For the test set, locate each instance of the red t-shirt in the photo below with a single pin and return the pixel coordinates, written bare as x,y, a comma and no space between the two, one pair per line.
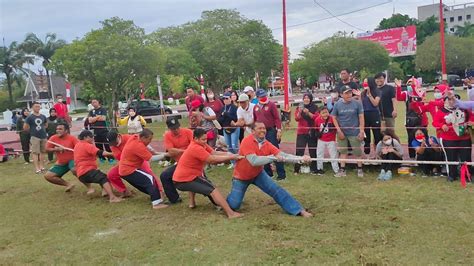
117,150
438,122
2,150
181,141
68,141
61,110
328,132
188,100
85,157
216,106
267,114
243,169
192,162
133,155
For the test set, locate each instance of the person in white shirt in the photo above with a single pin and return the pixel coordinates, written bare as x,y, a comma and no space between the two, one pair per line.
244,113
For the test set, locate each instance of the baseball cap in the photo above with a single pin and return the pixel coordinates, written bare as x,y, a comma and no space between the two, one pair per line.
248,88
261,93
172,122
196,103
227,94
243,97
346,89
112,138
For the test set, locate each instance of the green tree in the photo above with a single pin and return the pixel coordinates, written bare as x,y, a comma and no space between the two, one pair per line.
467,30
225,45
395,21
459,54
44,49
110,62
335,53
11,62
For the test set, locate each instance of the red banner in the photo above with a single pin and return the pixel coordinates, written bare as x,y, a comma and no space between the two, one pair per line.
397,41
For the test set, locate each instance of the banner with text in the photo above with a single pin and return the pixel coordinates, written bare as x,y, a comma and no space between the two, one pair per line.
397,41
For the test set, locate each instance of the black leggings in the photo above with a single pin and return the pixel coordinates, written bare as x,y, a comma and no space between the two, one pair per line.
390,166
372,121
303,141
462,154
166,178
25,146
430,155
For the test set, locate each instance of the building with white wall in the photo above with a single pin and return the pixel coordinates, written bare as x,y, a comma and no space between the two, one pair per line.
455,15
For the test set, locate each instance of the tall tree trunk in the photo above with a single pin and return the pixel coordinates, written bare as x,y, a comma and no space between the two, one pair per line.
10,90
113,108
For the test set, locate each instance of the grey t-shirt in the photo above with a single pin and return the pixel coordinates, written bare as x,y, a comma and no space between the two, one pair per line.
37,126
347,115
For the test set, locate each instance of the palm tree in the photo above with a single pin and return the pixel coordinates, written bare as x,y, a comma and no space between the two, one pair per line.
11,61
466,30
44,49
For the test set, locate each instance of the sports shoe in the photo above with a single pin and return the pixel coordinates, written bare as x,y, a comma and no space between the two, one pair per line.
320,172
341,173
381,175
388,175
231,166
360,173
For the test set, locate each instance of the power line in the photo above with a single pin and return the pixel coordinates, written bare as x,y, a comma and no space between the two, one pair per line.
342,14
334,16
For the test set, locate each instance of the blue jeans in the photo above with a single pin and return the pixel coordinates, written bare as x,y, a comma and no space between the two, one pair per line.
232,141
280,167
267,185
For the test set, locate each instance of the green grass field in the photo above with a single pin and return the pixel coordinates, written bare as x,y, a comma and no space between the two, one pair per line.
357,221
408,220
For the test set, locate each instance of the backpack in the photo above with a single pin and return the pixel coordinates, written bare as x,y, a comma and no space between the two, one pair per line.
413,119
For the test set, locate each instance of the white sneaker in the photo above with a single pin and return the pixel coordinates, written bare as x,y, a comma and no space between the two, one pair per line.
360,173
341,173
381,175
231,166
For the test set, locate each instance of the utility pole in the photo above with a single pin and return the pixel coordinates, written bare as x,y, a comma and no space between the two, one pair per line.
444,75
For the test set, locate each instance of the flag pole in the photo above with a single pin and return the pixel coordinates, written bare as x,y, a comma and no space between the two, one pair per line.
286,105
444,76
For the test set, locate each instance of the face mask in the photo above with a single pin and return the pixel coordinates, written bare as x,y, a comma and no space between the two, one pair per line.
409,89
263,99
438,95
132,113
388,142
210,96
365,85
334,95
419,138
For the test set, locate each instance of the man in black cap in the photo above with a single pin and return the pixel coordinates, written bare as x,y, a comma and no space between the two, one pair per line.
176,140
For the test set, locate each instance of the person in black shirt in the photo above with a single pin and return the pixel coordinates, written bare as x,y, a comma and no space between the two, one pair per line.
387,106
346,81
97,121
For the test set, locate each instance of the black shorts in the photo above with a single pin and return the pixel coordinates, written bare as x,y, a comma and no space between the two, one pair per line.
94,176
199,185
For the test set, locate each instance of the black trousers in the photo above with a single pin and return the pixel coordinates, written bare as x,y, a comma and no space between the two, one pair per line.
372,120
166,178
303,141
430,155
25,146
411,137
457,151
390,166
145,183
100,138
241,134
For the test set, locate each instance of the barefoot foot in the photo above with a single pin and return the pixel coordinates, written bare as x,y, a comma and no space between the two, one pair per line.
306,214
115,200
90,191
69,187
160,206
235,215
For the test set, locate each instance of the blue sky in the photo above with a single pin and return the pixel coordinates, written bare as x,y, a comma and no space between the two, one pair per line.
71,19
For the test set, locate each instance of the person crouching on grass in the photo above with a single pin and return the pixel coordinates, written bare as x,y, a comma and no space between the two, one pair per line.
134,154
388,149
85,160
189,174
250,171
59,144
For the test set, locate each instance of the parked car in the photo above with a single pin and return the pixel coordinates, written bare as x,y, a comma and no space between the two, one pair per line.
453,80
147,107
